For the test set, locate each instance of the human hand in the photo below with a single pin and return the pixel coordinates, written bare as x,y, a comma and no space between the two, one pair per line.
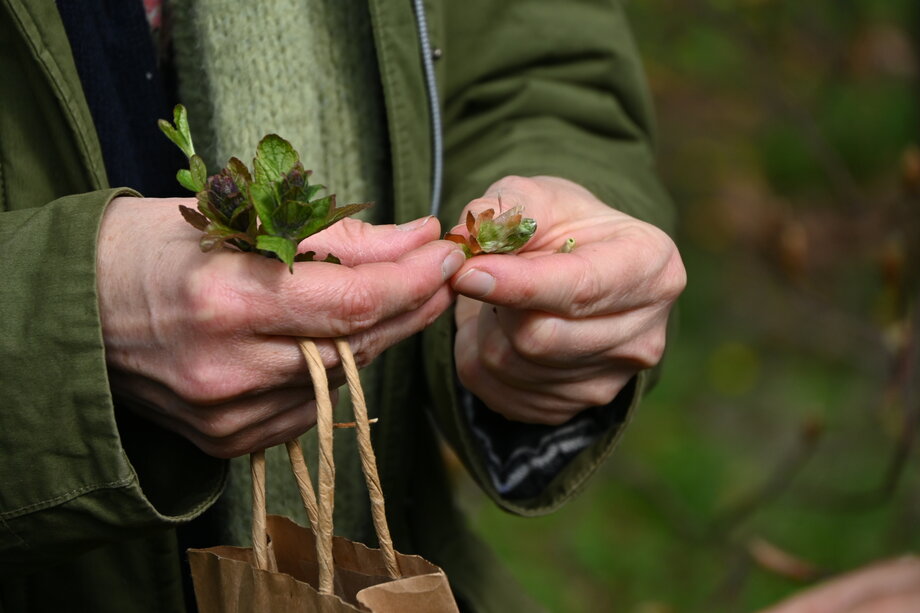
889,586
567,330
205,345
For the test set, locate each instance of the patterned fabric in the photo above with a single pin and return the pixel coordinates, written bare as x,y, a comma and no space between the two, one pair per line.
522,459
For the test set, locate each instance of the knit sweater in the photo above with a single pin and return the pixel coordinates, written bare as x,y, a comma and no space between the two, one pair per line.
317,85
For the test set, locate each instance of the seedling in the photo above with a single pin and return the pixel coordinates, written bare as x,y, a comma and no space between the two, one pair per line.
267,211
489,234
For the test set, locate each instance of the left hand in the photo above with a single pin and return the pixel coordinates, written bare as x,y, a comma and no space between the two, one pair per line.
567,330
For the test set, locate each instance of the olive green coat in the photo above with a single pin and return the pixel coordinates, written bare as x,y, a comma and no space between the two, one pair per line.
89,496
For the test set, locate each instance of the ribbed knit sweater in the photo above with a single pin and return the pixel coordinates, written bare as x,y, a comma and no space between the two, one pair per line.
316,83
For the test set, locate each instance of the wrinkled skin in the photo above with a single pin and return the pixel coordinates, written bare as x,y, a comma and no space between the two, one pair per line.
205,344
543,335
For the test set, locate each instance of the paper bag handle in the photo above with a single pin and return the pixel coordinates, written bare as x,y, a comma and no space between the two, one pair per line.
321,515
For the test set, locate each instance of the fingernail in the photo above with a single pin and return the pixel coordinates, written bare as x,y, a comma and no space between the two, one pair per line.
452,263
475,283
415,224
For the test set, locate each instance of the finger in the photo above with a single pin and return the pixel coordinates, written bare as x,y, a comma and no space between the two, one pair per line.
633,339
498,355
319,300
598,278
514,403
254,364
227,429
906,602
582,214
356,242
524,389
859,590
369,344
284,425
218,418
466,309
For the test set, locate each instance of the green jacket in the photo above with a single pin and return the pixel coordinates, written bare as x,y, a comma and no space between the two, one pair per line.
90,497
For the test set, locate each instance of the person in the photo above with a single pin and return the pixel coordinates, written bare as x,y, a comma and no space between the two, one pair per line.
133,365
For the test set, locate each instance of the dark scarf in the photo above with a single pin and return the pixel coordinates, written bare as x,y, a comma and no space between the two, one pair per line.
126,92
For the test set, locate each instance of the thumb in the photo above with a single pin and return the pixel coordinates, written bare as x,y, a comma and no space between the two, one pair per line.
357,242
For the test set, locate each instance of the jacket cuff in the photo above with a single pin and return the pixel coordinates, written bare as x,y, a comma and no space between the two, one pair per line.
542,491
73,474
522,459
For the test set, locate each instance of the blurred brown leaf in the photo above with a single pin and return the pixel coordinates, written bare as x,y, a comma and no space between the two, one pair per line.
772,558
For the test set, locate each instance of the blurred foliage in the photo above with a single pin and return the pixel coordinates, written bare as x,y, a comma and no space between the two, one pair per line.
780,446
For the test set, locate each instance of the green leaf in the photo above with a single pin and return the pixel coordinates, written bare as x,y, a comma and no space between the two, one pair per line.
275,157
311,191
269,210
239,172
507,232
264,200
284,248
184,177
179,133
199,172
316,217
180,119
347,211
242,209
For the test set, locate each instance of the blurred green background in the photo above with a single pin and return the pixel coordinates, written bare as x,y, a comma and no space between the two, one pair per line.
780,446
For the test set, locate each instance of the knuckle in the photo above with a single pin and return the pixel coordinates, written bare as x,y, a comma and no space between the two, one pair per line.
494,353
644,351
467,372
205,382
198,384
358,307
672,277
585,293
211,303
480,204
221,428
654,346
600,393
516,183
675,276
367,348
538,338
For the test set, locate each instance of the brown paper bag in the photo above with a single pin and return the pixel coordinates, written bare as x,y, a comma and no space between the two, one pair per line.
228,581
292,568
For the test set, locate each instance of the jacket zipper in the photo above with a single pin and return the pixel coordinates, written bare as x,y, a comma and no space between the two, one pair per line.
434,105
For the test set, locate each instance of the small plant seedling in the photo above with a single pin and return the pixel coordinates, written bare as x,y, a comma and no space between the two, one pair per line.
489,234
268,211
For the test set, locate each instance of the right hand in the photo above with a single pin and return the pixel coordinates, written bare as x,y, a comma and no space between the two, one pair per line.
205,344
888,586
